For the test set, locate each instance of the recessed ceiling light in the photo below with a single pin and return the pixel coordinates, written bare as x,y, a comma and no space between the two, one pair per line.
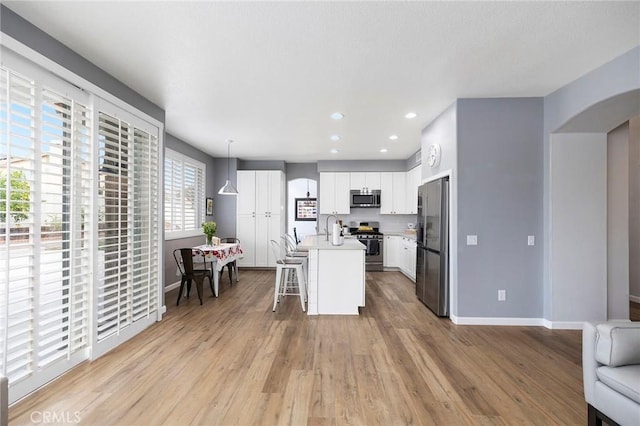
337,116
334,151
393,137
335,138
411,115
383,150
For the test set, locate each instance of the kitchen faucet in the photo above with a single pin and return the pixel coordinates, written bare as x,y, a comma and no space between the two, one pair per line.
326,225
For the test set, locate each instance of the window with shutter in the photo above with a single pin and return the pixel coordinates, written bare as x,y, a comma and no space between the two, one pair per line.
80,220
127,288
45,213
184,195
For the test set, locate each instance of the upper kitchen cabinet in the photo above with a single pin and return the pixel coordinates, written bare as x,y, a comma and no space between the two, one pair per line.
414,176
260,192
393,195
365,181
334,193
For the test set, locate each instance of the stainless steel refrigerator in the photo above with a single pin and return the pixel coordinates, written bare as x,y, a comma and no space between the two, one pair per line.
432,268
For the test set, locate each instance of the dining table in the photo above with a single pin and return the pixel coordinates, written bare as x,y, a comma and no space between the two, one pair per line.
218,256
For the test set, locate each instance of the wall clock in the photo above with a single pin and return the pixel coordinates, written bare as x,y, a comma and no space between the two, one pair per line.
433,155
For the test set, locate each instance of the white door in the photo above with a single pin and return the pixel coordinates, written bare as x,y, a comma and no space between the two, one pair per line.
262,241
246,233
246,192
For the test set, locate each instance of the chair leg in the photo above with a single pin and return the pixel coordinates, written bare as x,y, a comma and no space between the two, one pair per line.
276,291
199,285
180,292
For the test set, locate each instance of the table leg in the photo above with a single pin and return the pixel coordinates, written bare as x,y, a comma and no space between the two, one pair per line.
235,269
216,279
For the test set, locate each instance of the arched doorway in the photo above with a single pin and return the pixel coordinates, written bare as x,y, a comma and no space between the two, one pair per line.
302,209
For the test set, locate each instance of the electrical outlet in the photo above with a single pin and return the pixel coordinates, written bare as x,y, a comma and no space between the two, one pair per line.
472,240
531,240
502,295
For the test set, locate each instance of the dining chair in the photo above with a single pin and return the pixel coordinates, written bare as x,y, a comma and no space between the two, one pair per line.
189,273
283,286
231,266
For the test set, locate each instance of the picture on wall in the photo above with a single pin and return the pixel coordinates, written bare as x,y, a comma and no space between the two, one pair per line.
306,209
209,207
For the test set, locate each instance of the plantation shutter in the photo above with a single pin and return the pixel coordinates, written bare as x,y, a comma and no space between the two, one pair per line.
128,221
45,257
184,189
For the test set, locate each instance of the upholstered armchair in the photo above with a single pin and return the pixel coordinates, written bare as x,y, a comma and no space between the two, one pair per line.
611,372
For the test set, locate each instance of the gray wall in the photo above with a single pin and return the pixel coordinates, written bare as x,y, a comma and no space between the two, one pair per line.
362,166
616,84
261,165
28,34
634,208
224,206
414,160
499,200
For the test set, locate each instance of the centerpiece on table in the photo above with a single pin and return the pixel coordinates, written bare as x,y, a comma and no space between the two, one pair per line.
209,229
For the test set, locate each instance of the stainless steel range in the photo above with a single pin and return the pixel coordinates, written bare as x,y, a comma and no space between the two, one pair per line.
368,233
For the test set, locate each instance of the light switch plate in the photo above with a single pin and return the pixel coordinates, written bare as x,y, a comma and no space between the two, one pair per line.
531,240
472,240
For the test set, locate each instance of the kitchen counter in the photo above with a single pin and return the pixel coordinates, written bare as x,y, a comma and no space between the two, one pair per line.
319,242
336,276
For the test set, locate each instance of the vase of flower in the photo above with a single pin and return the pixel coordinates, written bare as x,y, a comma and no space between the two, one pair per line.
209,229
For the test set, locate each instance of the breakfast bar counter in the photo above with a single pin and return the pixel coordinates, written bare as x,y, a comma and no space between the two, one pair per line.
336,276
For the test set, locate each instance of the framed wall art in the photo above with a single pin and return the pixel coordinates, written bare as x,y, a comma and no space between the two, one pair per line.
306,209
209,206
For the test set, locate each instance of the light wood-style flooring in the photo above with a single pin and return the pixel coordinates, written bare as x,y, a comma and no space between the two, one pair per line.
234,362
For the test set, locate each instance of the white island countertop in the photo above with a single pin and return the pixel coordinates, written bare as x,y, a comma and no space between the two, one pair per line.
336,276
318,242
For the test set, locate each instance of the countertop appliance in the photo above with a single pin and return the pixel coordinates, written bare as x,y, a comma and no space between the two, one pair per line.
365,199
368,233
432,263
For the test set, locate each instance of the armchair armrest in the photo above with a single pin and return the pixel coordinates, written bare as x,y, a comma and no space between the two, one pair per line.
589,363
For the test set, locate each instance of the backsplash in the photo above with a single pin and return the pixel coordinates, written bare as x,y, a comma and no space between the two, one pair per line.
389,223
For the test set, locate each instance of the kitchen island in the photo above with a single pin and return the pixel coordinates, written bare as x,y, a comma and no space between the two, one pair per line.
336,276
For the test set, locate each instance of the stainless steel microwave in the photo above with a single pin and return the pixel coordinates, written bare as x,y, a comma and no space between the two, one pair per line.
365,199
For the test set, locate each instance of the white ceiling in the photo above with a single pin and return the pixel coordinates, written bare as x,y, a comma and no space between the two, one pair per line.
269,74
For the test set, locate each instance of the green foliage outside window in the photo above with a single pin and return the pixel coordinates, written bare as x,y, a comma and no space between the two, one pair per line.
20,196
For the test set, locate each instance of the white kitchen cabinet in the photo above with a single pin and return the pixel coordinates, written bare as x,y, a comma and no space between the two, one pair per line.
365,181
334,193
246,233
409,252
393,198
392,251
260,214
414,177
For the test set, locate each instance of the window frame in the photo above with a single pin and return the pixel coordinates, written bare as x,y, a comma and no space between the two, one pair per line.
201,190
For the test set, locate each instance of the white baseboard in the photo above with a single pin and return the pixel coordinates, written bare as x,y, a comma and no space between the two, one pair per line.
172,286
526,322
635,299
496,321
563,325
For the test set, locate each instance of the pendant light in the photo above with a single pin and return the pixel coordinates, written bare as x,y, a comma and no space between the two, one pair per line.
228,188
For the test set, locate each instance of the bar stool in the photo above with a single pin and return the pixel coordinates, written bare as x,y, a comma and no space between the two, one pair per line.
284,286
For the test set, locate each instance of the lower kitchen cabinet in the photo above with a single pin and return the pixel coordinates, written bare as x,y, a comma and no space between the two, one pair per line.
392,251
409,253
255,234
